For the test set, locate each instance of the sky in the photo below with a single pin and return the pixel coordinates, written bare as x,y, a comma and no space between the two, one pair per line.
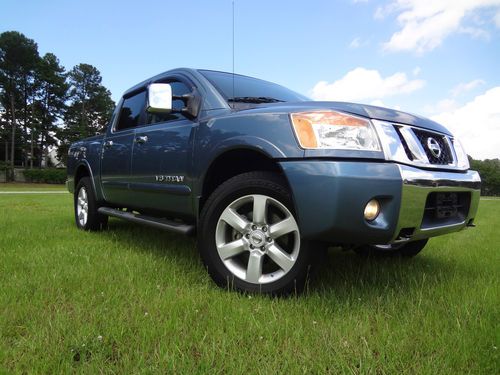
436,58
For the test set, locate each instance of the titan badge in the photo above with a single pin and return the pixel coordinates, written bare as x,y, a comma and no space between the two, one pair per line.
162,178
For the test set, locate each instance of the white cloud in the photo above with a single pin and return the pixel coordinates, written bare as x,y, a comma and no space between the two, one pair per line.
475,32
383,11
476,124
355,43
497,19
444,105
358,42
416,71
378,103
363,84
464,87
426,23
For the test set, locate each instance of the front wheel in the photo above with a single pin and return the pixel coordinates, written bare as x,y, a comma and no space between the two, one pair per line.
249,238
407,250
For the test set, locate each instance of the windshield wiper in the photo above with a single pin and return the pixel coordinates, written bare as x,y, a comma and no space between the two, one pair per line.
254,99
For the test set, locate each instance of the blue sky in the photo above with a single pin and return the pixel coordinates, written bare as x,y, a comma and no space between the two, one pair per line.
438,58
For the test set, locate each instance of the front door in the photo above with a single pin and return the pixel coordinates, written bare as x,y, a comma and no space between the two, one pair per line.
161,159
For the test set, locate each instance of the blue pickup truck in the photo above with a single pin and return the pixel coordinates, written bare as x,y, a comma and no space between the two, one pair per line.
267,179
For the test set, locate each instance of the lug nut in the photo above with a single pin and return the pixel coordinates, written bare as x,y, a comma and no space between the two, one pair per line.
254,227
264,228
251,246
269,239
247,235
263,248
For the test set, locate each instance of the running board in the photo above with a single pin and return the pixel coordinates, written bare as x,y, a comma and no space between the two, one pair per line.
148,220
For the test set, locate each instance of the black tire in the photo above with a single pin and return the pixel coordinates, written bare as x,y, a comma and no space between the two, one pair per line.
94,220
272,186
406,250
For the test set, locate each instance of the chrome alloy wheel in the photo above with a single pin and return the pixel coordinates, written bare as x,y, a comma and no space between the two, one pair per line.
257,239
82,206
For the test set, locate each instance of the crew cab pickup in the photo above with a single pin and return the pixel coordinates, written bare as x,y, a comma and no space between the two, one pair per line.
267,178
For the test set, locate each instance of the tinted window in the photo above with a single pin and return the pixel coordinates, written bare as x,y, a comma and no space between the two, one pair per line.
178,88
131,111
249,87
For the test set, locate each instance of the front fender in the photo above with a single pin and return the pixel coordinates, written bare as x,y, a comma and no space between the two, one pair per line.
267,133
248,142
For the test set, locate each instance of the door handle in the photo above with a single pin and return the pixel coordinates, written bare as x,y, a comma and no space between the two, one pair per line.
141,139
108,144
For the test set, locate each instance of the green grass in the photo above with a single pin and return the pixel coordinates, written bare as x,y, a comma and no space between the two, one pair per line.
16,186
137,300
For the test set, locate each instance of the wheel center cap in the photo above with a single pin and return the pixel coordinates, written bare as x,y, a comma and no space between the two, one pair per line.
257,238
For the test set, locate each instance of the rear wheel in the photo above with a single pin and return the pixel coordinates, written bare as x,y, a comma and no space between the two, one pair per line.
85,204
249,238
408,250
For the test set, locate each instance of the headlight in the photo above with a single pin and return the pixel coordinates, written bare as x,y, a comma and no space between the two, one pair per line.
462,159
334,130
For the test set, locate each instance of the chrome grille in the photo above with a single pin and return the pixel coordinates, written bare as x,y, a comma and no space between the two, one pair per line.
445,156
409,155
420,147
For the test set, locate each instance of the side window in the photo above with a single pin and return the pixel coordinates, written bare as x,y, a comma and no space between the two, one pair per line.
178,88
131,111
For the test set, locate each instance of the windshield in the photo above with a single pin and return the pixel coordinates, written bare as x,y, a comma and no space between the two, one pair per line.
250,90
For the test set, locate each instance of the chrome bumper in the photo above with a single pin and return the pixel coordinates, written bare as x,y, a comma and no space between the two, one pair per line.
417,185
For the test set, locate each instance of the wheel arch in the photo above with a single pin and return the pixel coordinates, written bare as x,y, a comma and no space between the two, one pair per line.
83,169
232,162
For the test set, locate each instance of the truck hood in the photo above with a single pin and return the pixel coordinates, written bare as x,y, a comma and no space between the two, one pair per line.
370,111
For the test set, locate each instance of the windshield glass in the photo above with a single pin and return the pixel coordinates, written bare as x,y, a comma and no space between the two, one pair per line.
250,90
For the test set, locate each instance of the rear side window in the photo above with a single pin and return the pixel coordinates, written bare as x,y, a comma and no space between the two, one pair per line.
131,113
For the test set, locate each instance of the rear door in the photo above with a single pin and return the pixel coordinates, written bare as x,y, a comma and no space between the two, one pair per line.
116,160
161,158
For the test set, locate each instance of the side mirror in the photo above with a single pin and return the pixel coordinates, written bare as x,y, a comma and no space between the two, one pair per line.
159,98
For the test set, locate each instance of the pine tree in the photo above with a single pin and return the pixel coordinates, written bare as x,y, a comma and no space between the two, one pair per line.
50,106
90,106
18,60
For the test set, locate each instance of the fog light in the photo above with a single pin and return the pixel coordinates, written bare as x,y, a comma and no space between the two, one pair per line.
372,210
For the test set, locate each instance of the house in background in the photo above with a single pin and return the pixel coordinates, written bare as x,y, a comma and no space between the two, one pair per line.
51,160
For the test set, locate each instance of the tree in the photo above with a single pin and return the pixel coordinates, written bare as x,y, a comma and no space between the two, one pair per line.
489,170
18,60
4,135
90,106
52,93
36,95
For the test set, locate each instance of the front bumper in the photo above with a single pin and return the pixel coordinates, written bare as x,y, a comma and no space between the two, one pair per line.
330,197
417,185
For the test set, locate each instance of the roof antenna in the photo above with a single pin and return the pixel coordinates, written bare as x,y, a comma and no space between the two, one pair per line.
233,49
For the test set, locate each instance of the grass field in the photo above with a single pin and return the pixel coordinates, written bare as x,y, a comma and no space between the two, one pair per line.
11,186
136,300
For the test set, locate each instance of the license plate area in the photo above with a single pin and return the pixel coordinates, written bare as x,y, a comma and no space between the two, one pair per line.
445,208
446,205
